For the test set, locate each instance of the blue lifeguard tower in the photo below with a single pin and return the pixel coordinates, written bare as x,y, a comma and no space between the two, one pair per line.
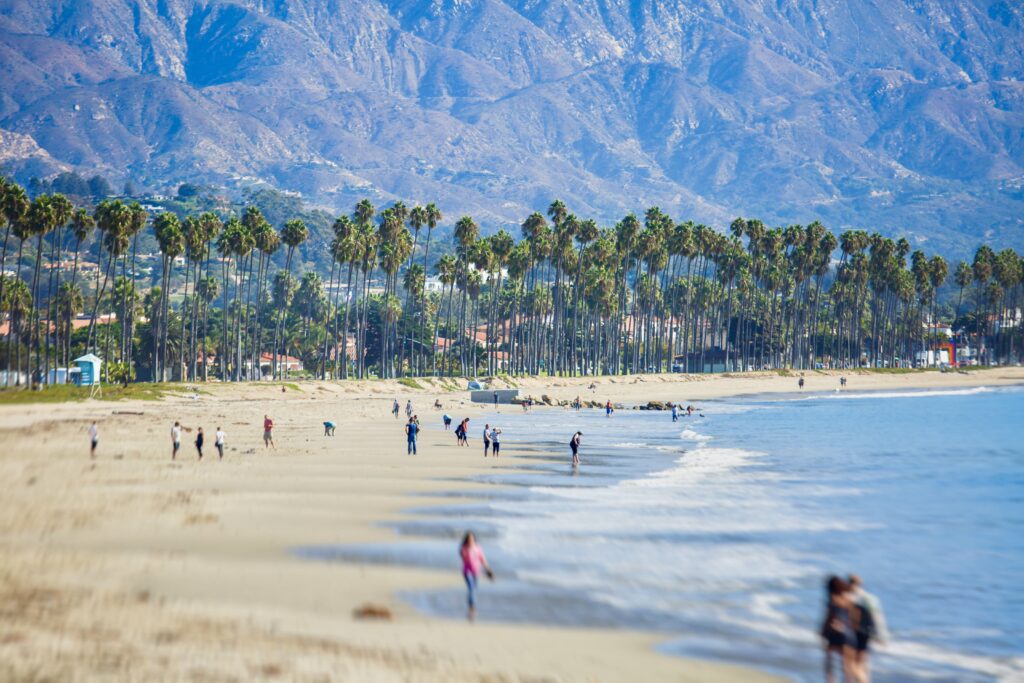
89,372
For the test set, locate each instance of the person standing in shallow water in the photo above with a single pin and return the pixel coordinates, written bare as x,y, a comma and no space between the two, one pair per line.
473,560
574,445
838,631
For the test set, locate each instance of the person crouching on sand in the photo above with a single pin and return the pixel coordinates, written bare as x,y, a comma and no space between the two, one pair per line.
472,560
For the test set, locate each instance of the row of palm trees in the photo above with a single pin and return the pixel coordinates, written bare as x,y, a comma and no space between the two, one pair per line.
570,297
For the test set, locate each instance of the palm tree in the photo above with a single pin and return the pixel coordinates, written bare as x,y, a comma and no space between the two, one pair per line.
466,232
171,239
13,206
293,234
447,269
70,303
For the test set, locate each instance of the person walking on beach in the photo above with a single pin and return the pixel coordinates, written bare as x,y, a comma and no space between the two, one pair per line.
462,432
218,441
473,560
487,439
574,445
495,443
328,428
801,383
842,382
495,399
870,626
268,432
395,408
837,630
94,439
199,443
408,409
411,429
175,439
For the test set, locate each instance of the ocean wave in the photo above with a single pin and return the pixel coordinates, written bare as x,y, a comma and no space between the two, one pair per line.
693,436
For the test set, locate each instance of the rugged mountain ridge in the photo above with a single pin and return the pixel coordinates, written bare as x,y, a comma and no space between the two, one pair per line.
903,116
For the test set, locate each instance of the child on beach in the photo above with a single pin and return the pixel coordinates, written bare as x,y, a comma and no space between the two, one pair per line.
199,443
472,560
218,441
268,432
94,439
175,439
608,410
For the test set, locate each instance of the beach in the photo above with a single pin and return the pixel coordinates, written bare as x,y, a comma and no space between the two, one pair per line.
134,567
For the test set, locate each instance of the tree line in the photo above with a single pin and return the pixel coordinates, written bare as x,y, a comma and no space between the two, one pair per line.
569,297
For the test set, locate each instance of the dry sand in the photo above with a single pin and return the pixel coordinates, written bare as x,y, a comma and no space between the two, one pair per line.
133,567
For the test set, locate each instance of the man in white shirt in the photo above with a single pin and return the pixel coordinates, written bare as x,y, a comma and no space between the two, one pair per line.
94,438
175,439
219,442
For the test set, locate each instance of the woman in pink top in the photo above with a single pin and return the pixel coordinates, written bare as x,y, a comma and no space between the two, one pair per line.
472,560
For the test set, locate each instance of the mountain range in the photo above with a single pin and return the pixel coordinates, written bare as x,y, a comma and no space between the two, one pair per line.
902,116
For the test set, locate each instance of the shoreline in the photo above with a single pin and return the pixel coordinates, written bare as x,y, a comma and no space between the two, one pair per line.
132,563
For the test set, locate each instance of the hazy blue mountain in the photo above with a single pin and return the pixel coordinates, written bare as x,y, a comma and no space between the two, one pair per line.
903,116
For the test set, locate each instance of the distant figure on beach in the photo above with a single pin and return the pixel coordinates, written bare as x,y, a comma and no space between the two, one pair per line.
593,386
268,432
870,626
473,560
579,404
175,439
328,428
487,439
408,409
495,443
411,429
447,422
395,408
574,445
218,441
801,382
94,439
675,412
837,630
495,399
462,432
437,404
200,440
842,382
608,410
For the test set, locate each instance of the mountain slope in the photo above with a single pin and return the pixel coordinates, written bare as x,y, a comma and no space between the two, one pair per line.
900,116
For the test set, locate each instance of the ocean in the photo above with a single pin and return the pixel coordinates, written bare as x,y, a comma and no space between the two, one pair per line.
720,529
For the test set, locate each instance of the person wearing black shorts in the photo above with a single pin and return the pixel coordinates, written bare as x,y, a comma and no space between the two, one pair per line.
487,439
199,443
574,444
